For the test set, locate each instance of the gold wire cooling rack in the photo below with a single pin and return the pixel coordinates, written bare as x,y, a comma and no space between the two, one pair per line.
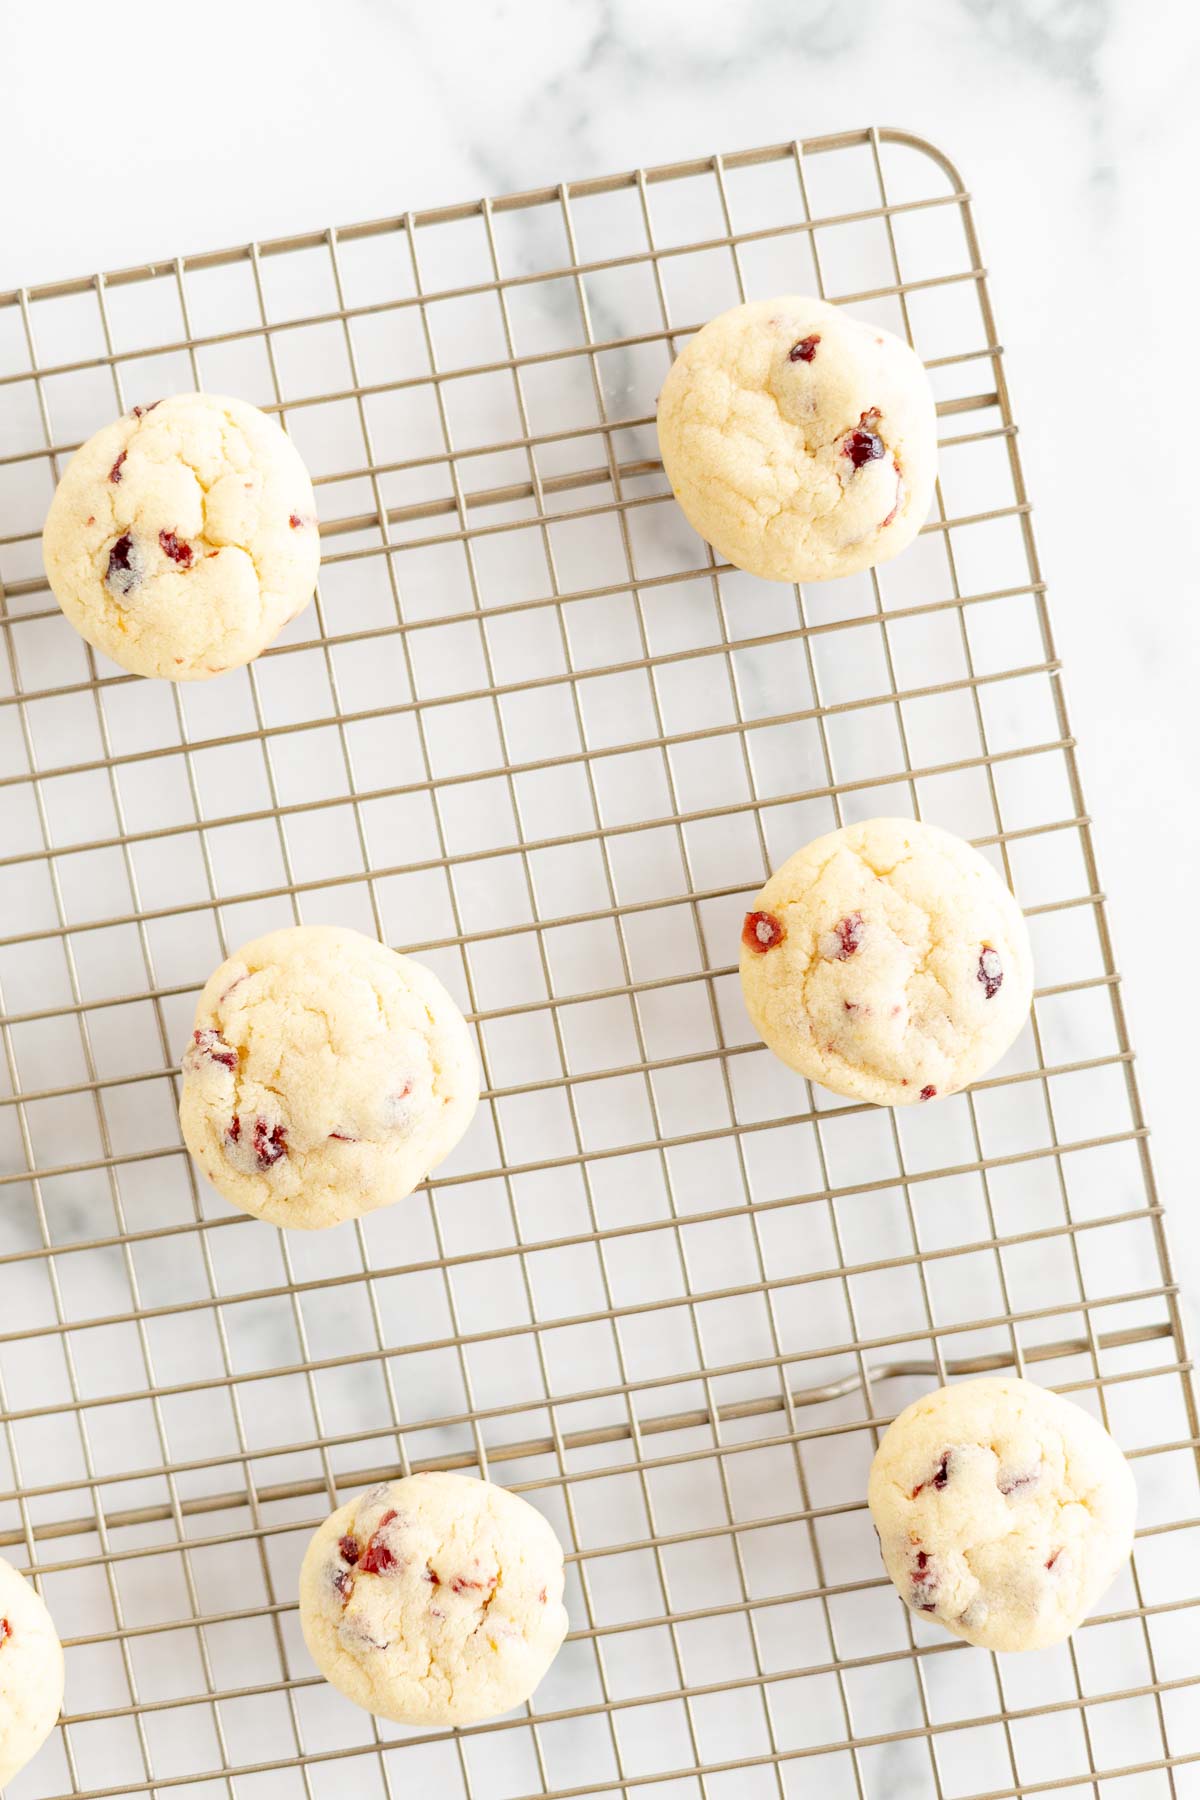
534,733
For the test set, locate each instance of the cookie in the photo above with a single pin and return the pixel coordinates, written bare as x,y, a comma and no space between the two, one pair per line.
801,442
182,538
436,1600
1003,1511
887,961
31,1672
325,1076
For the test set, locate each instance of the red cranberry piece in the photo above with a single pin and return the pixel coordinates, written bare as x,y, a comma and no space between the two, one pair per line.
863,445
806,349
463,1584
939,1478
431,1576
211,1046
1017,1481
270,1143
124,571
6,1631
139,410
924,1584
343,1582
542,1597
114,474
927,1093
295,521
176,549
990,972
349,1549
343,1138
1059,1556
761,932
378,1558
849,933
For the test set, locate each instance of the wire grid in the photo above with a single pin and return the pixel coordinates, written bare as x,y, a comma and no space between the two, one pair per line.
536,734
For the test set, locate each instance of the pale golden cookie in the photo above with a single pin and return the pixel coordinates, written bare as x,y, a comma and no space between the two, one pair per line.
887,961
1003,1511
801,442
183,537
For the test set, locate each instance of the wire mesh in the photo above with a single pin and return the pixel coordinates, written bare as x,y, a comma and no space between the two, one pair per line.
536,734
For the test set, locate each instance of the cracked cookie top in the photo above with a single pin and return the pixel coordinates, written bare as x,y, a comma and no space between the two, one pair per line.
887,961
182,538
1003,1511
325,1076
801,442
434,1600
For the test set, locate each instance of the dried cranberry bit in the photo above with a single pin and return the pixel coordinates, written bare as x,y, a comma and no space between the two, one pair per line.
139,410
939,1478
863,445
176,549
114,474
462,1584
6,1631
990,972
761,932
343,1138
924,1584
295,521
122,573
1057,1557
270,1143
211,1045
927,1093
849,931
349,1549
343,1581
378,1558
431,1576
1017,1481
806,349
542,1597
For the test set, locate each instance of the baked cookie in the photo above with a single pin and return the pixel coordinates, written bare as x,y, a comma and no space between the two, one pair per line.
183,537
436,1600
801,442
326,1076
31,1672
1003,1511
887,961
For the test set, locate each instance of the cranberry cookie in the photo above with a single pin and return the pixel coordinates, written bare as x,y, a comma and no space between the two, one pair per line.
436,1600
326,1076
1003,1511
887,961
183,537
801,442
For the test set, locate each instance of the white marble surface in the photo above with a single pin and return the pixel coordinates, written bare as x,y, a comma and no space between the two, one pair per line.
1072,121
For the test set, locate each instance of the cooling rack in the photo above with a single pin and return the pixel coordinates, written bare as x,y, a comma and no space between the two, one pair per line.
535,734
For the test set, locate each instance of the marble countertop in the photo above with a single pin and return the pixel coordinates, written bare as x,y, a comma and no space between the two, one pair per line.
1071,120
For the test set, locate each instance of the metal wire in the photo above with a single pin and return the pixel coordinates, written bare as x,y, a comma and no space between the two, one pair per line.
536,732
